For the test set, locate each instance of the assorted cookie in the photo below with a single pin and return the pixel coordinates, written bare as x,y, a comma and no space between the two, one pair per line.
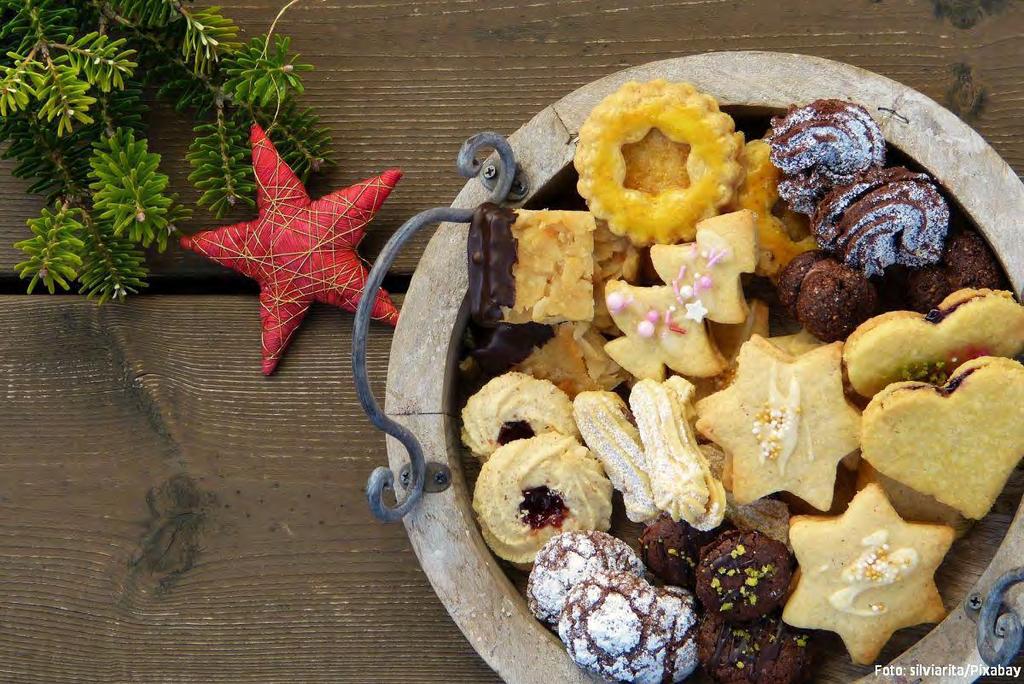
729,334
866,573
965,325
531,489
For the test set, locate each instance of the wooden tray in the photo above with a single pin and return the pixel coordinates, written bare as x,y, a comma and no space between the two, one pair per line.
474,587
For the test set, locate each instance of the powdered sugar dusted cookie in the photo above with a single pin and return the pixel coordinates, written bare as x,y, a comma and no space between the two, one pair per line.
569,558
620,627
967,324
514,406
821,145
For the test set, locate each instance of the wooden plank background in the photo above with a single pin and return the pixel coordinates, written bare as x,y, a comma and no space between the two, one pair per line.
169,515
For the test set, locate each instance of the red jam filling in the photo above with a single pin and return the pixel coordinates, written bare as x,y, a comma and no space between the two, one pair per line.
516,429
542,507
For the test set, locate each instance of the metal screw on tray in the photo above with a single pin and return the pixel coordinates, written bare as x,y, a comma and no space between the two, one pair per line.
1000,634
506,182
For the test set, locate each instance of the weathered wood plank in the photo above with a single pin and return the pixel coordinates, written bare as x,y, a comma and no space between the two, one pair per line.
403,83
169,515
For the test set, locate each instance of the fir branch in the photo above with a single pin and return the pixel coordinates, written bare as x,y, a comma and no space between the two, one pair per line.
259,77
219,156
53,251
112,266
102,61
298,137
128,189
62,95
209,35
148,13
57,166
16,89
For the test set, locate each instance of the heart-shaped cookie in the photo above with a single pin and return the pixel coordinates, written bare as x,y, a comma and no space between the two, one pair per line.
957,442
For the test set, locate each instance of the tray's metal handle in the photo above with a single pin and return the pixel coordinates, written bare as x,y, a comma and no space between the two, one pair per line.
500,178
1000,635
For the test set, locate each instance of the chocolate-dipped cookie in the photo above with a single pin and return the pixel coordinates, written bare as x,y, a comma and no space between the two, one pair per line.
765,651
743,575
828,299
671,549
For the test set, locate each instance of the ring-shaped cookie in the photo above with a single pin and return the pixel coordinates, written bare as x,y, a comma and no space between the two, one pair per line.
514,406
532,489
759,193
684,116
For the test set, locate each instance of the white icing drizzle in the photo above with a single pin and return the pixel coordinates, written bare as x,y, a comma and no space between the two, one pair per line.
777,425
877,566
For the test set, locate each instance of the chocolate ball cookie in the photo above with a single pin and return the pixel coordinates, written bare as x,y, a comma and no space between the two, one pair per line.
743,575
671,549
620,627
569,558
827,298
765,651
967,262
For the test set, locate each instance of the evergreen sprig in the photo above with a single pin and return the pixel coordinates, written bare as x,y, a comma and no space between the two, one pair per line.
72,117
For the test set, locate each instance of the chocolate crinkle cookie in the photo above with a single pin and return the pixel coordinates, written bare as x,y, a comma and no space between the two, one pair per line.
671,549
743,575
765,651
620,627
883,218
569,558
821,145
827,298
967,262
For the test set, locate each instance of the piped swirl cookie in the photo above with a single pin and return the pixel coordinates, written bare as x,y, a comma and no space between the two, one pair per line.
532,489
514,406
821,145
656,158
885,217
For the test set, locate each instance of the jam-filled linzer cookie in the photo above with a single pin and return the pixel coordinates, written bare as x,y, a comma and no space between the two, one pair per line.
656,158
531,489
514,406
966,324
665,325
957,441
530,265
866,573
785,421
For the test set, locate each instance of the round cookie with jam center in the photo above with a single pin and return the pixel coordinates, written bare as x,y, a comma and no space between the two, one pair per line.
743,575
765,651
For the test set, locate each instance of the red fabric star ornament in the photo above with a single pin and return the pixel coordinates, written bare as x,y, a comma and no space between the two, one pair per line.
299,250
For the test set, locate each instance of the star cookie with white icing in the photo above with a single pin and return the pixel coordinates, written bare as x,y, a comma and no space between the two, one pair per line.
866,573
784,421
665,325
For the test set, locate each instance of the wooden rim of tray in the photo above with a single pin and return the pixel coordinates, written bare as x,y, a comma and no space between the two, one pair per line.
469,581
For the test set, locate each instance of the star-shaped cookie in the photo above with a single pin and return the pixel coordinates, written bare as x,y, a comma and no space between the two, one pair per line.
665,325
866,573
784,421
